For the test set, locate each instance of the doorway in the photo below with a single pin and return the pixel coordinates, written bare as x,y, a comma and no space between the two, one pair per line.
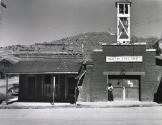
59,88
31,88
71,84
126,88
48,88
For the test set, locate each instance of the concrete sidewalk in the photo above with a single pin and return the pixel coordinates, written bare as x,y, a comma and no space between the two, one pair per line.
115,104
118,104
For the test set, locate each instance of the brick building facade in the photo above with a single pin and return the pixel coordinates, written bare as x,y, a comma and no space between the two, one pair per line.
131,69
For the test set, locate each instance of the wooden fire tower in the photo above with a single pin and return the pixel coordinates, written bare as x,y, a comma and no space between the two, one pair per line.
123,21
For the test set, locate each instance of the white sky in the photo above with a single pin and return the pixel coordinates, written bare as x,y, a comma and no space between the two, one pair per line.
31,21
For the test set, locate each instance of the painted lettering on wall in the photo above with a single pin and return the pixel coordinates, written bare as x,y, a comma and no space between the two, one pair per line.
124,58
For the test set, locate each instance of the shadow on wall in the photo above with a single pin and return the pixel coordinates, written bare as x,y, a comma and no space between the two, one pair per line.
158,94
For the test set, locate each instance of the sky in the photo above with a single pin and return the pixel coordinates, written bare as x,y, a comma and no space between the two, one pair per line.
31,21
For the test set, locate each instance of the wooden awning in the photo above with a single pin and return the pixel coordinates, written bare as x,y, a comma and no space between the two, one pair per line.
45,66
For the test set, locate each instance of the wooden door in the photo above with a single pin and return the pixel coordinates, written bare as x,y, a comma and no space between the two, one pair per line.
70,89
48,88
31,85
125,88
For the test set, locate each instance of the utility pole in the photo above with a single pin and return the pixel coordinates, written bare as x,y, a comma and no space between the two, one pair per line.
4,72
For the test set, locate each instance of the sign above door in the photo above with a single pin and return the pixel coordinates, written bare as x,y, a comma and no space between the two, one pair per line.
124,59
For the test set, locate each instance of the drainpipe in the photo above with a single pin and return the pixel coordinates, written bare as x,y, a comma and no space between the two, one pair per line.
6,77
76,93
53,92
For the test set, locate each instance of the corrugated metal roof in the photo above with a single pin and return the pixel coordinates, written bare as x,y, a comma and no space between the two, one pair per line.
45,66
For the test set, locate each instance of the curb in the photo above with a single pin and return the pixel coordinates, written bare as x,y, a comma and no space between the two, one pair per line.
74,106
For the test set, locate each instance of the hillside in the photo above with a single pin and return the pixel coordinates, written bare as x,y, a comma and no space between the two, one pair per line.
84,42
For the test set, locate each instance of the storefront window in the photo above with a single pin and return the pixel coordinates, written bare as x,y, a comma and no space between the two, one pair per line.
48,79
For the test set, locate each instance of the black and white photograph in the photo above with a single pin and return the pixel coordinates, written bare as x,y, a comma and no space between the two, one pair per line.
80,62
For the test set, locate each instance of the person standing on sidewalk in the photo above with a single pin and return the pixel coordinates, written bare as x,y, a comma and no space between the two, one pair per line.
110,92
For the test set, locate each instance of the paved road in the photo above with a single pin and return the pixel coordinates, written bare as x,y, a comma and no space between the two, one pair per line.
82,116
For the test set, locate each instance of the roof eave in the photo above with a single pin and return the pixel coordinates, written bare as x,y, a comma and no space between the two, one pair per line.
41,73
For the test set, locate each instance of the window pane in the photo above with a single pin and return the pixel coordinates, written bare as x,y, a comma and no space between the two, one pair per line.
121,8
126,8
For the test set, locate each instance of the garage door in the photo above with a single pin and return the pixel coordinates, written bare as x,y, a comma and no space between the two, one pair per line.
125,88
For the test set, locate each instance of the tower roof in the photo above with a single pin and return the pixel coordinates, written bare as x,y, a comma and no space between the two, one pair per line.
122,1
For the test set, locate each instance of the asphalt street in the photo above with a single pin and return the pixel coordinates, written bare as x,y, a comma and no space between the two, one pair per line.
83,116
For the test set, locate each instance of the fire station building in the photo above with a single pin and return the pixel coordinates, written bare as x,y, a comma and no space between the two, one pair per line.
129,67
